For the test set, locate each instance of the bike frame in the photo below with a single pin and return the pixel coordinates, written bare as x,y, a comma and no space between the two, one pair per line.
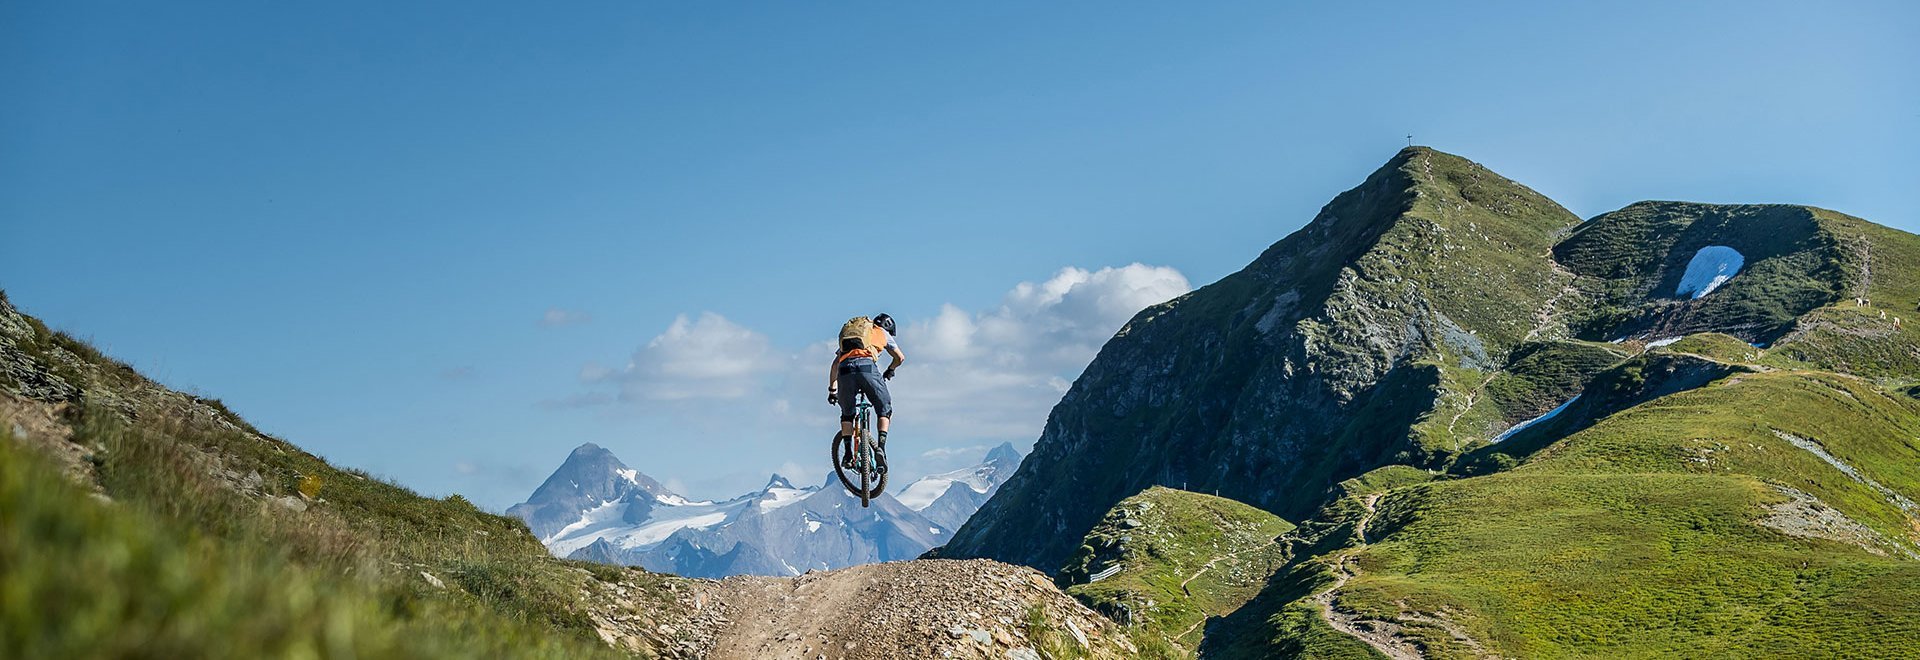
862,419
867,461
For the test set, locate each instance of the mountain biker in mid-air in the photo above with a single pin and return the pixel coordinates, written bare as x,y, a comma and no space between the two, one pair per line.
856,370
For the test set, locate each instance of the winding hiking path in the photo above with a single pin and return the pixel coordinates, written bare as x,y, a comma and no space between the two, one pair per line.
1216,560
1383,636
1543,317
1209,566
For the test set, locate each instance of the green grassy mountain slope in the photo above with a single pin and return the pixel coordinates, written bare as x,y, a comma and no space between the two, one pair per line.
142,521
1167,559
1633,259
1876,339
1710,523
1324,358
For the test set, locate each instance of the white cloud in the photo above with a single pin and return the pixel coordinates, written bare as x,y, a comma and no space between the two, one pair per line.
972,377
556,317
705,358
995,374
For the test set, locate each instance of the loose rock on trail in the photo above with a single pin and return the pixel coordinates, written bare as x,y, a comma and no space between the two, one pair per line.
928,608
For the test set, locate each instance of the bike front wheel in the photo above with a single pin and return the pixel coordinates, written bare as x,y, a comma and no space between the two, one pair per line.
843,446
867,479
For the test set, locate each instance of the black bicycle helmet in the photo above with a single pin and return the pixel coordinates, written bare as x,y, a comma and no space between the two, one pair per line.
884,321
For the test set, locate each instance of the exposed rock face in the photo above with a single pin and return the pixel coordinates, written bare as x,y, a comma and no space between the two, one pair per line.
1309,366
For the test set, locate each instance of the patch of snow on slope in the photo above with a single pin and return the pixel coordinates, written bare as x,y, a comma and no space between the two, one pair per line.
607,522
1711,267
813,525
1664,342
658,530
1813,447
781,497
1549,415
921,494
599,518
671,499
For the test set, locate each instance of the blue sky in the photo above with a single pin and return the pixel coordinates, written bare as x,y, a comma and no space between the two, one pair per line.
446,243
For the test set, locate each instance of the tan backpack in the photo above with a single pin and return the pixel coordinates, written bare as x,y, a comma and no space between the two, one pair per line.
857,334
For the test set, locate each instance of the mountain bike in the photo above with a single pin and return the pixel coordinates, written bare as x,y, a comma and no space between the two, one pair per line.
869,463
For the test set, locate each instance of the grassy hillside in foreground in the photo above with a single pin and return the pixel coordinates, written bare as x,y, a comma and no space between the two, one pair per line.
1182,558
85,578
1716,522
143,521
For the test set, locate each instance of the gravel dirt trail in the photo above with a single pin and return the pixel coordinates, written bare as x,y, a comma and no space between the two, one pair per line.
931,608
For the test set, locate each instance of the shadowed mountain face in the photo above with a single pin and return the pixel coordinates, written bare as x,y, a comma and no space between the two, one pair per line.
1317,362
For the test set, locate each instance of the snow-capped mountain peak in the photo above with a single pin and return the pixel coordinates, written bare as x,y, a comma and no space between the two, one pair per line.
949,498
620,516
590,477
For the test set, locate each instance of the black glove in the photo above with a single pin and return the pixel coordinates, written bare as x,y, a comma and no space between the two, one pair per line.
833,398
888,374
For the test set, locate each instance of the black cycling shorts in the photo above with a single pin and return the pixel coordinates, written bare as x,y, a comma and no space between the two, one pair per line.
862,376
